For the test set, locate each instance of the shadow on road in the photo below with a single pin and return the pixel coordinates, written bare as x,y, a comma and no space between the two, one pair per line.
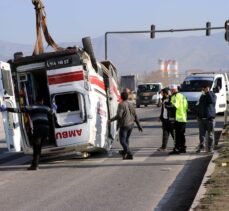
182,192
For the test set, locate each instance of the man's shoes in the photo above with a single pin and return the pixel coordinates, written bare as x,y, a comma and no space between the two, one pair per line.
198,151
182,150
161,149
199,148
128,157
174,152
33,168
121,152
210,150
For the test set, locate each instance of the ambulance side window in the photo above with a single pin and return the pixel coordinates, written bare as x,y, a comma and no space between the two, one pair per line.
7,86
70,108
67,102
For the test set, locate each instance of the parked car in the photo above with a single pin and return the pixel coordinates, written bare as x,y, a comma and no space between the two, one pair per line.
148,94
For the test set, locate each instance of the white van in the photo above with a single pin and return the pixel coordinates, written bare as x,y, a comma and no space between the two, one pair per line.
192,85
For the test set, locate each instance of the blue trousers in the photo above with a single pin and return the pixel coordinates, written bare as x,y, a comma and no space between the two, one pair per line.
124,135
206,132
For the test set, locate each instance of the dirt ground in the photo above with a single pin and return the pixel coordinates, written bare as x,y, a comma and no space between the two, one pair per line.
217,194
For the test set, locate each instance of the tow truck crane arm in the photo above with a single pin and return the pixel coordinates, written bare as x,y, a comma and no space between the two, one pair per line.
42,24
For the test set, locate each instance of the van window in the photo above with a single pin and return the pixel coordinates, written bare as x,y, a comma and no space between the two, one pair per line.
7,85
195,85
70,108
148,88
218,83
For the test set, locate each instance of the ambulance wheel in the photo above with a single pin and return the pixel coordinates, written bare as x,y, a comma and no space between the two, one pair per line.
85,154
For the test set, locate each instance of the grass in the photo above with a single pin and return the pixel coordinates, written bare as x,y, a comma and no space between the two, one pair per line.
217,194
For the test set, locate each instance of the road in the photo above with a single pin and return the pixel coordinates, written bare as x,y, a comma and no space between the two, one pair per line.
152,181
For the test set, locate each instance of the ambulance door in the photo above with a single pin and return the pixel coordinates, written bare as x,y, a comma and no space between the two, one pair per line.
10,120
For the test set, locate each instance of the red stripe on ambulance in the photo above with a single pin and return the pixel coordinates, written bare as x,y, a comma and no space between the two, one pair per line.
95,80
115,90
65,77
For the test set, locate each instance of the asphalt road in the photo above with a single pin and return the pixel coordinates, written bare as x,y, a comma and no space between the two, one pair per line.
152,181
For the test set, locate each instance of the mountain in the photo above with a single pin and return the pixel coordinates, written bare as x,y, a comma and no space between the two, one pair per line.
7,49
140,54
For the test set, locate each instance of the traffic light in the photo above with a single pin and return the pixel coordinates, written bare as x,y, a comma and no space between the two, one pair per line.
227,30
208,28
152,33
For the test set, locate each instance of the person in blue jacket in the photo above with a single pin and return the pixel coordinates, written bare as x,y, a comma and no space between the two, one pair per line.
206,119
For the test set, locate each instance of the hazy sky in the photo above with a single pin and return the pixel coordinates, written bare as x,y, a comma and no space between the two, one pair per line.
70,20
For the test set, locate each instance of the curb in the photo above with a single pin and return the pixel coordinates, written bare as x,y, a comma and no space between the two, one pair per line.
202,189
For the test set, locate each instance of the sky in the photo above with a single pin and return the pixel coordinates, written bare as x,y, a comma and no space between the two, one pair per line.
70,20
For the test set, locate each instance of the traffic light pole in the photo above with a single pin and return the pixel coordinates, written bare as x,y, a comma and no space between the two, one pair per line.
155,31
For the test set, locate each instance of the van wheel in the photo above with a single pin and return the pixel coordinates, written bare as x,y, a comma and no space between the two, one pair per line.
138,106
146,105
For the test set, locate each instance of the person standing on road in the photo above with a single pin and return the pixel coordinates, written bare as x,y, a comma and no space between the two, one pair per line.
178,106
164,118
40,116
126,116
206,119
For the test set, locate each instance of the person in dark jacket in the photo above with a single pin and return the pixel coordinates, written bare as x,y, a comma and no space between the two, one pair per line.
206,119
126,117
167,127
40,116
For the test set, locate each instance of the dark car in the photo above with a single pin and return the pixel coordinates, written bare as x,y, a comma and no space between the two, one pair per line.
148,94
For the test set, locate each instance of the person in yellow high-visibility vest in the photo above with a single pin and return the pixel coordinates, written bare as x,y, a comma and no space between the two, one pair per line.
179,105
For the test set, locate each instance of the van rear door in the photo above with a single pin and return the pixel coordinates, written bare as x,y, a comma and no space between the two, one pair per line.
10,120
219,87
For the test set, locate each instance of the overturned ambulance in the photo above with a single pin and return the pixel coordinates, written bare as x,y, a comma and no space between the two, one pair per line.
85,93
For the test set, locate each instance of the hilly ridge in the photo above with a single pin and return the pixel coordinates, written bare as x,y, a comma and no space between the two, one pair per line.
138,54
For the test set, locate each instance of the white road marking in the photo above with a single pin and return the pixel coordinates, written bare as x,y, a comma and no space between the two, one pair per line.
181,157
